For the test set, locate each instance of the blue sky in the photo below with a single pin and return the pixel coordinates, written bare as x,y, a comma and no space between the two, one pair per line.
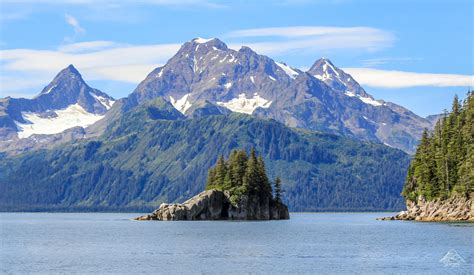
415,53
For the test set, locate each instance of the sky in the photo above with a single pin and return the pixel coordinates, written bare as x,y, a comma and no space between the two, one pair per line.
418,54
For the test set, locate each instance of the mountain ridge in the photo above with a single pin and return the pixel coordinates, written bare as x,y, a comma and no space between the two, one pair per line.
324,98
155,154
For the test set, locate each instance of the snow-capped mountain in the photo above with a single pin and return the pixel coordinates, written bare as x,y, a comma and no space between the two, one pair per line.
206,77
324,98
64,103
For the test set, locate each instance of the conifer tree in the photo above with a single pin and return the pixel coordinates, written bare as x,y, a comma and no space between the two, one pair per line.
278,190
251,177
221,172
264,186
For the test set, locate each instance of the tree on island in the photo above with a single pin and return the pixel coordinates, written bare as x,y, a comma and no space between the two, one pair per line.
242,174
278,190
444,161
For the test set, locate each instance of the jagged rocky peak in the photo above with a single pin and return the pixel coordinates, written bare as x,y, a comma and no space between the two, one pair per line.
66,102
213,43
67,88
200,46
67,76
324,70
206,69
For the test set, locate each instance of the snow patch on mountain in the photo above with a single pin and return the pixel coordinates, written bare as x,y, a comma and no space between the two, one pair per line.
201,40
245,105
181,104
228,85
328,72
50,89
107,103
72,116
288,70
366,100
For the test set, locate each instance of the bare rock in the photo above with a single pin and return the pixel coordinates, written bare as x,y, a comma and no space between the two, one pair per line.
215,205
456,208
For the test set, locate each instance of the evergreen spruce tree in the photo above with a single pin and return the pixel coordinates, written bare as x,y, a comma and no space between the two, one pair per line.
251,176
264,186
278,190
221,172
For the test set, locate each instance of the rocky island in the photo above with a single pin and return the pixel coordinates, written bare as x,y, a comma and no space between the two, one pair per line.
440,179
237,189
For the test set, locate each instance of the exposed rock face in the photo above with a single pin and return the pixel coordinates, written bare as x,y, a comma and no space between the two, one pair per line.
215,205
324,98
452,209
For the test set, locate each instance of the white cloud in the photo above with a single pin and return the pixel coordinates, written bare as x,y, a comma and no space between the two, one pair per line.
372,62
316,38
24,69
72,21
86,46
400,79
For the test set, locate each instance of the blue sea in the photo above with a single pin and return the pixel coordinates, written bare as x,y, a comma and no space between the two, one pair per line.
308,243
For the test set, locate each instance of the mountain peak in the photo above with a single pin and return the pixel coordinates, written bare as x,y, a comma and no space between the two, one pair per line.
69,72
210,43
201,40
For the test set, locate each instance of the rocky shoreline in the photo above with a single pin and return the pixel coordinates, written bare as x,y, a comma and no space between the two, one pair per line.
216,205
449,210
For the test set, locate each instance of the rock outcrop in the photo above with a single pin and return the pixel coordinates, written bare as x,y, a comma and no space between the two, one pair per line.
452,209
216,205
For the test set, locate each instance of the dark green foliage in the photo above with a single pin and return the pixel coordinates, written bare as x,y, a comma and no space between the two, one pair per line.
240,175
278,191
444,161
142,161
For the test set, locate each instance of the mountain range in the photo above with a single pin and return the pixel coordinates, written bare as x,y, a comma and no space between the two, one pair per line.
75,147
324,98
153,154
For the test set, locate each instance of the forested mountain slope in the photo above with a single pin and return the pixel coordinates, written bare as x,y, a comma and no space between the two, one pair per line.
153,154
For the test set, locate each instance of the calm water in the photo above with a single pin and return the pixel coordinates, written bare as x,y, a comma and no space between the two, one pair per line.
308,243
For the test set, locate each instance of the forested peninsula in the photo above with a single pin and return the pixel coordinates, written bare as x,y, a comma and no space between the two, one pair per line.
440,179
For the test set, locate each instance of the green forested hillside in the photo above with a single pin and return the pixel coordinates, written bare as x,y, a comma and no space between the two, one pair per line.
444,162
152,155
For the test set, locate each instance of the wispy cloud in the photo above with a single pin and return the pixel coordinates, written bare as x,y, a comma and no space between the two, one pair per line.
400,79
283,39
373,62
86,46
74,23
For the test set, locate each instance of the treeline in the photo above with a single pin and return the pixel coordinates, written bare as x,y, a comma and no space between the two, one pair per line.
143,162
444,161
243,175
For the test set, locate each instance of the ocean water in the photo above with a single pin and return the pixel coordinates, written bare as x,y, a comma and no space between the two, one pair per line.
310,243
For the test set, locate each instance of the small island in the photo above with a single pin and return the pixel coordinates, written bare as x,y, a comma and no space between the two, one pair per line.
440,179
237,189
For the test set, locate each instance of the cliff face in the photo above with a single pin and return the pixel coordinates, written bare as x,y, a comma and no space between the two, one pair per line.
452,209
215,205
